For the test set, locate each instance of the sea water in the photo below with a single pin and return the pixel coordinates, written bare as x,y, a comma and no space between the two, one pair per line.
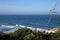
8,22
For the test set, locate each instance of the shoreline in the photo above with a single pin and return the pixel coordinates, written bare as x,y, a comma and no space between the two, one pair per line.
53,30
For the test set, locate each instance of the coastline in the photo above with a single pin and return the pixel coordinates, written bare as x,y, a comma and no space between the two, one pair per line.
16,27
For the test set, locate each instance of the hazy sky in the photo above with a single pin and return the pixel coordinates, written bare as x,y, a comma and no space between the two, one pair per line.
27,6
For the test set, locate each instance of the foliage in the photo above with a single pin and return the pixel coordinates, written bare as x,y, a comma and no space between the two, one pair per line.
27,34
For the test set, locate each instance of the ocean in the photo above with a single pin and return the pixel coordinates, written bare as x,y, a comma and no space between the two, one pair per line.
8,22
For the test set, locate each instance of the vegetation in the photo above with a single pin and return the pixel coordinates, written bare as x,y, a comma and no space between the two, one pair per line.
27,34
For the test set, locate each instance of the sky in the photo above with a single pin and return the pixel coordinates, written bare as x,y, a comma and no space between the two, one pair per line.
27,6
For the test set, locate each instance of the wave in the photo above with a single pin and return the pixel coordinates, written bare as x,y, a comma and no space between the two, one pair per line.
12,28
7,26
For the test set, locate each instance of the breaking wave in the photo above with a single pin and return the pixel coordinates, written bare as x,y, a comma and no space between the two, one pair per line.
12,28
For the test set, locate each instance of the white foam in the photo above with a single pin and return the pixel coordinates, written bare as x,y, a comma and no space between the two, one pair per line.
2,25
17,25
10,26
50,31
41,30
38,29
10,31
22,26
30,28
7,26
